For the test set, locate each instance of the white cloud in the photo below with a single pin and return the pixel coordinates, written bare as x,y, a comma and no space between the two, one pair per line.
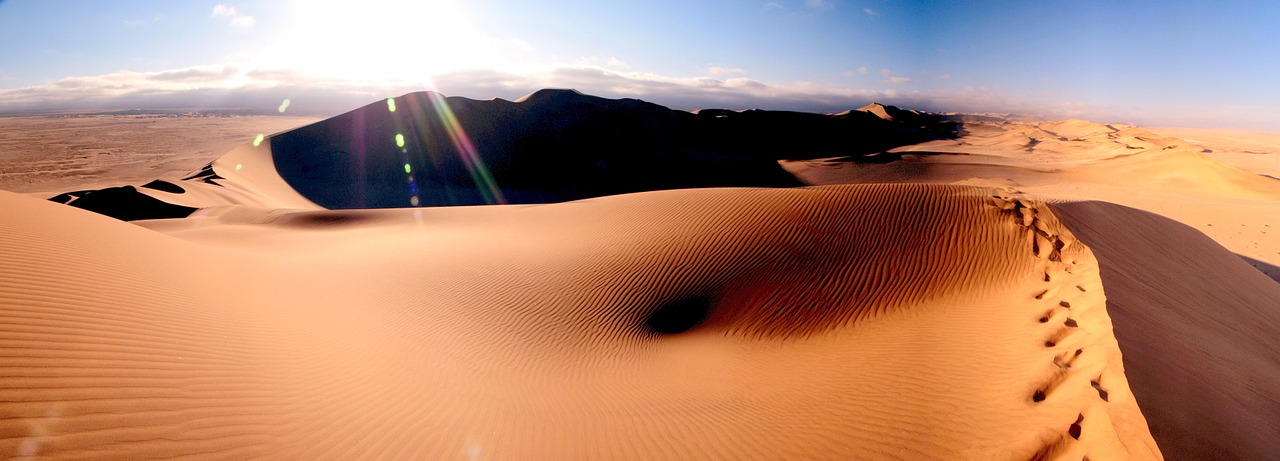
853,73
820,4
944,77
234,19
220,10
610,62
889,77
196,74
773,6
723,71
870,12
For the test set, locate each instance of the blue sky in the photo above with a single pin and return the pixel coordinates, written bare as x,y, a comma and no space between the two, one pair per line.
1175,63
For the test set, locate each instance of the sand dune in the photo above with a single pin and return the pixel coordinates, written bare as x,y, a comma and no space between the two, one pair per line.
1194,320
1220,191
877,109
1191,172
567,331
1064,143
557,145
1198,329
975,302
1250,150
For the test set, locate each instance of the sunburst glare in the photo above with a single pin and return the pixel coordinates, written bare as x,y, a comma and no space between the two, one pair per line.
381,41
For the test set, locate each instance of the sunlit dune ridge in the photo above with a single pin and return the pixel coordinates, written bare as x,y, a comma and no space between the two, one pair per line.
876,321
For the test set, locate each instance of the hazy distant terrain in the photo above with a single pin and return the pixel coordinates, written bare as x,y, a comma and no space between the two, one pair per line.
49,154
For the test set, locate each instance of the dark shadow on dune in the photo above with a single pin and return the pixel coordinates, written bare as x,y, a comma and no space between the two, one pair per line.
559,145
322,219
1264,267
1197,330
679,316
206,174
123,203
165,186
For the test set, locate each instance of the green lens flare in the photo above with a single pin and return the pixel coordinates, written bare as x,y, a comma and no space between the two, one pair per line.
258,140
391,104
399,140
407,169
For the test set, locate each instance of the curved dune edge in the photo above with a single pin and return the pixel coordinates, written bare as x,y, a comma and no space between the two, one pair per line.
899,321
1198,326
244,176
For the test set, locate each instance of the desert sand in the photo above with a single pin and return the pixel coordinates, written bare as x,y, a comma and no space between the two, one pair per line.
1223,184
48,155
647,284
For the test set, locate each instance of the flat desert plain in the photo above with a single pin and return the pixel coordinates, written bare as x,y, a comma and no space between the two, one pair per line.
48,155
1002,290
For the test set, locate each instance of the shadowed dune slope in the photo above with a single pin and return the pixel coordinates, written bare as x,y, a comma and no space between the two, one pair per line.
1198,326
878,321
558,145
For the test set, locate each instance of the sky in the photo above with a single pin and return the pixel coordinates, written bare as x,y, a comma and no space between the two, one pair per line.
1178,62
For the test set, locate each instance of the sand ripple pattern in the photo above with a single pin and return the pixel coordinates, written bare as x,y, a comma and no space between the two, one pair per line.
851,322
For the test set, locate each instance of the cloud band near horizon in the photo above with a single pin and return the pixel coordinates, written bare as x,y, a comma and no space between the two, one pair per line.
255,89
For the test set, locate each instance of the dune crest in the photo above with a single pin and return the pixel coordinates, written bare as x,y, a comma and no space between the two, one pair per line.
1219,371
806,332
877,109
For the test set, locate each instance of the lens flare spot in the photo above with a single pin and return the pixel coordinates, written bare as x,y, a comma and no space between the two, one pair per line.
399,140
284,105
413,200
391,104
238,166
407,169
258,140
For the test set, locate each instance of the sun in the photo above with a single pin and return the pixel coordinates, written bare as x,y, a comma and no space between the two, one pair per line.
381,41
